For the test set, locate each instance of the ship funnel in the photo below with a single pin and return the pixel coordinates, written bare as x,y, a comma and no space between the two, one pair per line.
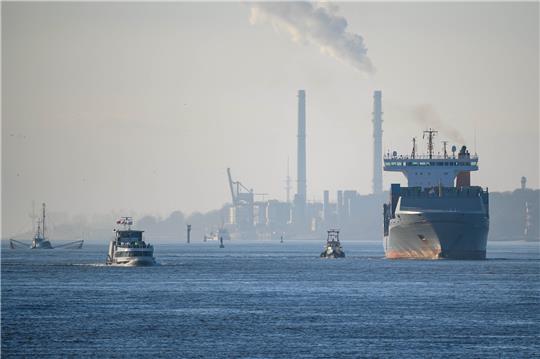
463,178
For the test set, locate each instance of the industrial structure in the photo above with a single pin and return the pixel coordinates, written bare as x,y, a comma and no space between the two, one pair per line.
248,218
377,142
299,216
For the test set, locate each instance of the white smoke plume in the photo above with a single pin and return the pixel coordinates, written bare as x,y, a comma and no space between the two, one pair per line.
317,24
426,116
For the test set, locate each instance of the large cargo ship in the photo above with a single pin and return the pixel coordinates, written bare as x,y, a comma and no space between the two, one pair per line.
439,214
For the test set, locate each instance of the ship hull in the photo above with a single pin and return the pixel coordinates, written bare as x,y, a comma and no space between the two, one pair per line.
134,262
43,244
437,234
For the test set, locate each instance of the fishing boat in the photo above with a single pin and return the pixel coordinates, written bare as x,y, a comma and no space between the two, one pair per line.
40,241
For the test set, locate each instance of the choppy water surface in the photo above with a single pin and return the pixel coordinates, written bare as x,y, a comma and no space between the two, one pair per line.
270,300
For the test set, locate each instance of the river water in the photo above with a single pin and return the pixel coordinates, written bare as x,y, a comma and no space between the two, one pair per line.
270,300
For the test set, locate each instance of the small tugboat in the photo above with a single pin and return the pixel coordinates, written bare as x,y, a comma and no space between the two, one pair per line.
128,246
333,249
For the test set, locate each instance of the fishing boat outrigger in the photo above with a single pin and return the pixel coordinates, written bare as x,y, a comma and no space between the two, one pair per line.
128,246
40,241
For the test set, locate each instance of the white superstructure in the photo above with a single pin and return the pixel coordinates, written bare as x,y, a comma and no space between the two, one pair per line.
432,170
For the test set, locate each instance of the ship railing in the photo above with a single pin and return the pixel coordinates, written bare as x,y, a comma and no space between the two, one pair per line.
133,245
427,157
417,192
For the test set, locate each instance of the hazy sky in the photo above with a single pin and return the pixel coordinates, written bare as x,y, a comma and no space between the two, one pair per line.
140,107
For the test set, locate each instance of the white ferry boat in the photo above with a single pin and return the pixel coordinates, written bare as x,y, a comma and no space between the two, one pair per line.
128,246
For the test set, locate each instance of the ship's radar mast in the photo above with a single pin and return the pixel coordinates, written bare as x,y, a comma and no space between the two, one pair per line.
431,133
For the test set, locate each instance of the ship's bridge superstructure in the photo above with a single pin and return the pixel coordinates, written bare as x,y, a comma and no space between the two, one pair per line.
432,170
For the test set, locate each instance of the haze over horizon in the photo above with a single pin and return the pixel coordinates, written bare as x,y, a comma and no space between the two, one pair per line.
141,107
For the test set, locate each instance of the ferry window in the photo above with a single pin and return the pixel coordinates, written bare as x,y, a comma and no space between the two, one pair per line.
473,163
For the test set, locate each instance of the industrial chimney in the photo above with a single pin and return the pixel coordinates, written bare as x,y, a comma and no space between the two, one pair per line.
377,142
300,197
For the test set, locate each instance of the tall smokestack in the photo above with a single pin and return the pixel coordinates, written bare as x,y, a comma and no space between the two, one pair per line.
377,142
300,197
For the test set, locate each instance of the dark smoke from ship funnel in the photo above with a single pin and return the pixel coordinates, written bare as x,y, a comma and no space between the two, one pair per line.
426,116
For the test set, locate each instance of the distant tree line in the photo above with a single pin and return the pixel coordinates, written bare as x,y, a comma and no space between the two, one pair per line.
507,221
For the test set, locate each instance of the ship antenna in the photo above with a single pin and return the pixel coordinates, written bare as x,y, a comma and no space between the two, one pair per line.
444,146
413,154
431,133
